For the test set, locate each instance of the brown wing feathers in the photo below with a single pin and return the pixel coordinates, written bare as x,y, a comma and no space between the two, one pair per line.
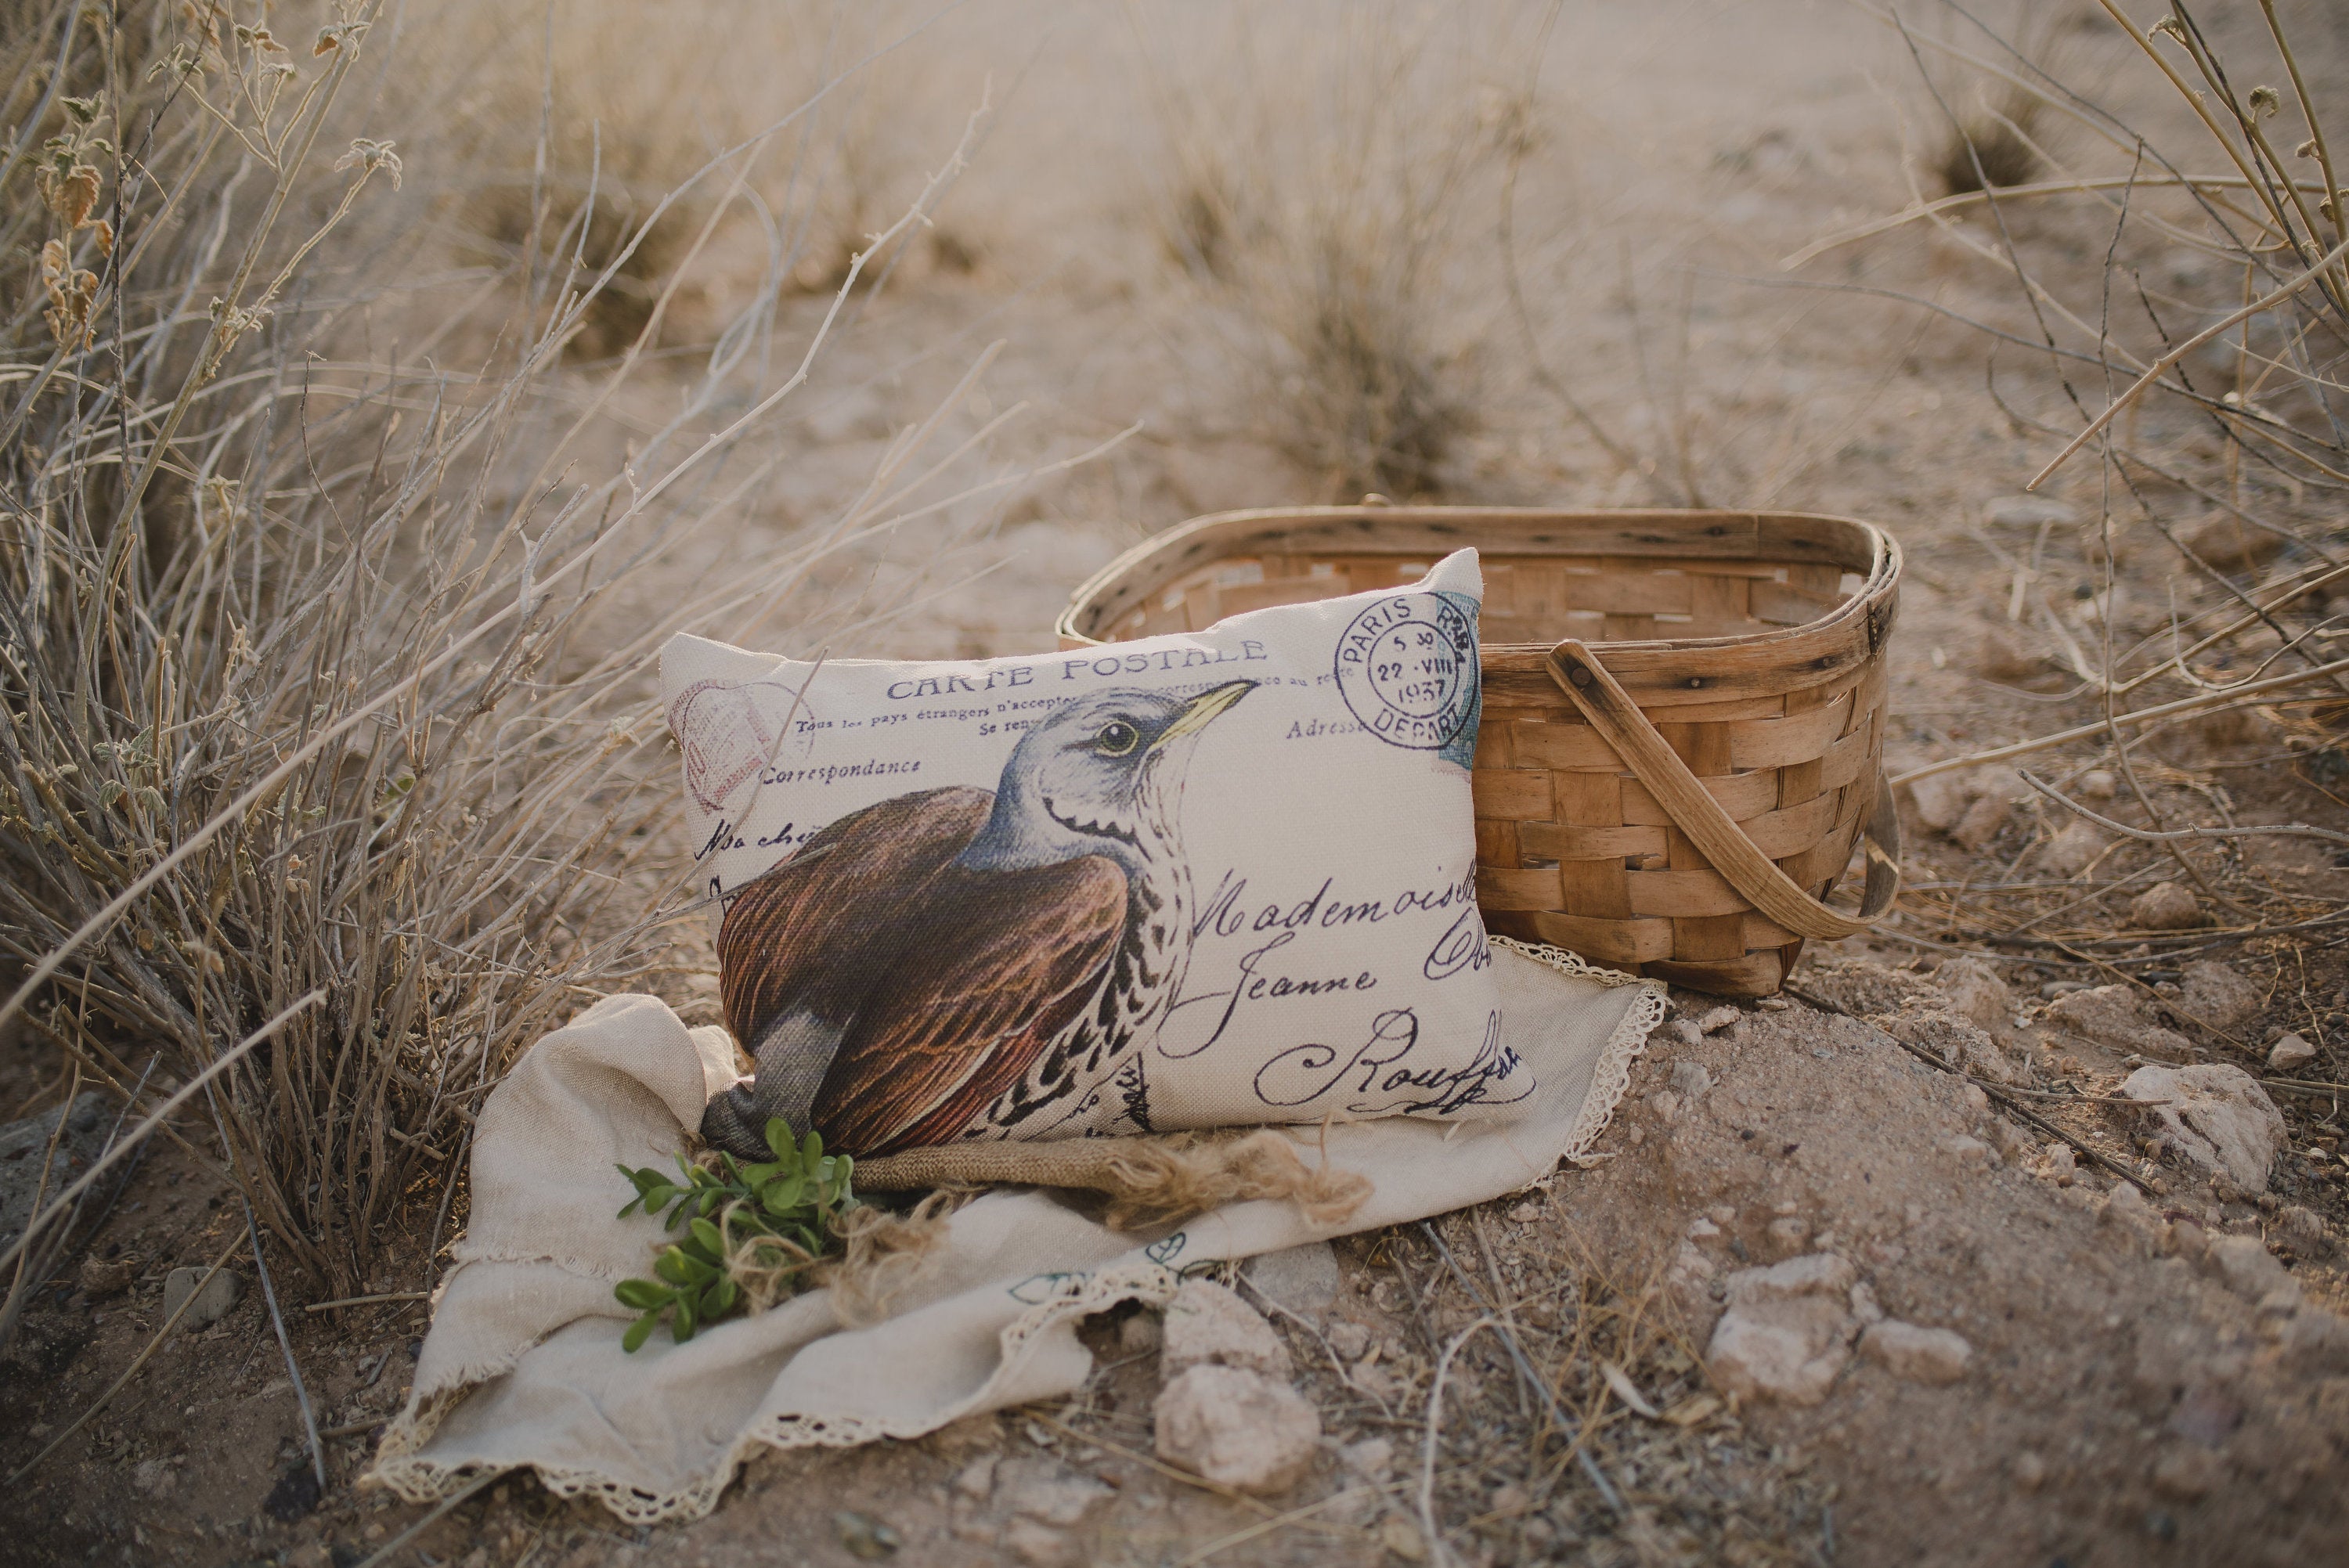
946,983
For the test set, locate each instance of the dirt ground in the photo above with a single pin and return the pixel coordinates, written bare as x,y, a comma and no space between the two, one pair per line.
2126,1400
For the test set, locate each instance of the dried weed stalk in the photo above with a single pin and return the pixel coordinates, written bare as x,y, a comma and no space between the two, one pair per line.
323,690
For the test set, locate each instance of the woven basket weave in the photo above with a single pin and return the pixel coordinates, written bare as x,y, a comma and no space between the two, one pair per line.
1683,726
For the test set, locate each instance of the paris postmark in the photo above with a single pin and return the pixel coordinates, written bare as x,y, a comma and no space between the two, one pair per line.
1407,669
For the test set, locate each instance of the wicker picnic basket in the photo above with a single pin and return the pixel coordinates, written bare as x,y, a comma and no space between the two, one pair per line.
1683,723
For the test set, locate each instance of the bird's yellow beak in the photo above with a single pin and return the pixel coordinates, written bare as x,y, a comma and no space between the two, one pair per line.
1204,709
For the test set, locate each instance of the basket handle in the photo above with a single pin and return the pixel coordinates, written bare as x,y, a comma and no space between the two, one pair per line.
1618,720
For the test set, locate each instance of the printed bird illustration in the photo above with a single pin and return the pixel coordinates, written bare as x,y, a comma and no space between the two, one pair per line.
953,963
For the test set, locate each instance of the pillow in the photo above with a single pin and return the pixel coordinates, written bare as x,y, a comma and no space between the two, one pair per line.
1209,879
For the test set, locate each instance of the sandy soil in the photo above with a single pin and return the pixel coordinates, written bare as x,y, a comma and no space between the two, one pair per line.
2124,1404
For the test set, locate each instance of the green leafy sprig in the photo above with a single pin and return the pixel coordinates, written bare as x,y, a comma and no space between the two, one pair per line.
767,1223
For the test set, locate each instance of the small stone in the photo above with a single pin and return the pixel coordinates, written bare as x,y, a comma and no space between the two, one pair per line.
2001,654
2217,1119
2188,1473
2232,545
1400,1536
1967,1151
1372,1457
1787,1236
1039,1546
2061,1166
1691,1081
2290,1052
211,1304
2110,1016
2302,1230
1785,1333
1052,1494
1508,1500
1302,1278
1350,1340
1864,1304
1208,1324
1703,1230
2027,511
1931,1356
2165,906
1975,992
1929,1026
1665,1104
2030,1471
2073,849
976,1480
100,1279
1977,1101
1526,1214
1141,1334
1687,1032
864,1536
2249,1269
2098,784
1940,801
2215,996
1718,1019
1981,821
1237,1428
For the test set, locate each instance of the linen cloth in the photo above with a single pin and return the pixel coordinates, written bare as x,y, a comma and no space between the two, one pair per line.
522,1366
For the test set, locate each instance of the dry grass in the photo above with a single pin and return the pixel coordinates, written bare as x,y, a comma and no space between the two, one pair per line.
328,763
1320,185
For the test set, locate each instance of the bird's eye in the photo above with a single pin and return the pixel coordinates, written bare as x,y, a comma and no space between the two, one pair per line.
1116,738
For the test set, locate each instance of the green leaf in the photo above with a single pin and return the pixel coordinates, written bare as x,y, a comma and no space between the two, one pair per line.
638,1332
711,1241
685,1321
642,1295
778,1137
781,1196
813,1150
720,1297
672,1266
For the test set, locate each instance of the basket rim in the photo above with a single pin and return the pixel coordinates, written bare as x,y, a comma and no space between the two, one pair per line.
1882,576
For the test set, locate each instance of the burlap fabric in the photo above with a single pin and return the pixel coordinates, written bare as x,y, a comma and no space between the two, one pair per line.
522,1366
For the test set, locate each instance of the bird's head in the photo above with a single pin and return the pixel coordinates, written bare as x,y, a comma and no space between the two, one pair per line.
1084,781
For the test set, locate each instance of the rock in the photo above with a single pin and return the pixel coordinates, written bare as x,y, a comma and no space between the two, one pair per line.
1690,1279
2002,654
1718,1019
1931,1356
1508,1500
2216,996
1302,1278
2073,849
1701,1229
211,1304
1975,992
1981,821
100,1278
2217,1118
1967,1151
1864,1306
2060,1165
2098,784
1141,1334
2110,1016
2165,906
21,1143
1207,1324
1787,1330
1940,801
1051,1494
1524,1213
976,1480
1350,1340
2188,1473
2289,1053
1400,1536
1237,1428
2302,1230
2027,511
1665,1104
865,1537
2249,1269
1685,1031
1787,1236
153,1477
2030,1471
1372,1457
1040,1545
1691,1081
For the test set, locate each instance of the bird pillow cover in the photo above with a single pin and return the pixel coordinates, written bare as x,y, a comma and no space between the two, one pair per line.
1208,879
